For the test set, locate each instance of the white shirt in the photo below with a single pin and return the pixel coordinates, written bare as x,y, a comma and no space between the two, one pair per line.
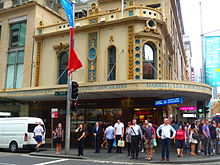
109,132
118,128
38,130
135,130
165,131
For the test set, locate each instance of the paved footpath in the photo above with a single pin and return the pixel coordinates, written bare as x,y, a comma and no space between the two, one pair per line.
122,158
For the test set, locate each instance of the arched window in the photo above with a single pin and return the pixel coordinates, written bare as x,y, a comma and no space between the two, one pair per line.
111,63
149,56
62,68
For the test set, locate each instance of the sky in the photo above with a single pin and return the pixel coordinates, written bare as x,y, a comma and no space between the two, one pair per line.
192,24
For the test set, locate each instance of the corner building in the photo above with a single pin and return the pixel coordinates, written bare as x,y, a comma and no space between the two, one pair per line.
130,60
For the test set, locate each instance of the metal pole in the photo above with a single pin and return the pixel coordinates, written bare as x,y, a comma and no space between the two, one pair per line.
122,8
68,117
202,46
51,131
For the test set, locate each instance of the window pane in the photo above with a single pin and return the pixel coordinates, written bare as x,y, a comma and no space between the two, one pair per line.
12,58
62,72
21,57
10,76
111,63
148,62
148,53
22,34
14,34
19,76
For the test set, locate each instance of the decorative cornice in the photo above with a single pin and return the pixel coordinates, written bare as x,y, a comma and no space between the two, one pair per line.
61,47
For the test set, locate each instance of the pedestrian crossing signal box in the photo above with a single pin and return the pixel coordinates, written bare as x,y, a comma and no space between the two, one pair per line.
200,107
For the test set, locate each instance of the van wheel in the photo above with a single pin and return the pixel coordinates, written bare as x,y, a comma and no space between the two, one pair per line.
13,147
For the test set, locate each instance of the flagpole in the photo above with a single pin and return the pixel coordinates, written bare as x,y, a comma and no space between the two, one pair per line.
68,116
122,8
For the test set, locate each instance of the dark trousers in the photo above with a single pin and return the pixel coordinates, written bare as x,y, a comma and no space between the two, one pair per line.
166,148
207,146
118,137
129,148
97,143
80,147
134,146
110,144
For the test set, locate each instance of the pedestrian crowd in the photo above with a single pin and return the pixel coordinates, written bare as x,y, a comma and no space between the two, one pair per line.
195,138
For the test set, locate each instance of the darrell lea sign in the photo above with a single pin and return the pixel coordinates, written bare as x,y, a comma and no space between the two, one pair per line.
176,100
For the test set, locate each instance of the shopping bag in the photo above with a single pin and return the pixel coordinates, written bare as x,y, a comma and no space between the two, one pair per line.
154,142
114,143
121,143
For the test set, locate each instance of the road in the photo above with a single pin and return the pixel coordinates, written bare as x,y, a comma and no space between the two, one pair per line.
7,158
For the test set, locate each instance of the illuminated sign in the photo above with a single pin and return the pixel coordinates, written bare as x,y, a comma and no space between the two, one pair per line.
176,100
187,108
189,115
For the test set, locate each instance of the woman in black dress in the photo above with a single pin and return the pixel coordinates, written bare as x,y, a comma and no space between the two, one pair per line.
81,139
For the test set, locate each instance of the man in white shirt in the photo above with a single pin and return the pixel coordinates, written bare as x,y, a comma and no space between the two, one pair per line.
118,133
165,136
109,134
136,134
38,134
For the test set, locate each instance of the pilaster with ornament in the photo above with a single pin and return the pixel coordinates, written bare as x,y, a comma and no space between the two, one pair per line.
130,52
92,57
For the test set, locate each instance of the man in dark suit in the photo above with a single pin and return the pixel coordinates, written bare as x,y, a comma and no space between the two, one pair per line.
96,130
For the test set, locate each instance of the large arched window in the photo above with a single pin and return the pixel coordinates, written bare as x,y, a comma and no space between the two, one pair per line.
62,68
149,67
111,63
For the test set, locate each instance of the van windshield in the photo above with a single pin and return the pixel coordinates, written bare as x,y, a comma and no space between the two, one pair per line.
32,126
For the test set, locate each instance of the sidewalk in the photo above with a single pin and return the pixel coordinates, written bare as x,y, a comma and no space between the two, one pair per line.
123,158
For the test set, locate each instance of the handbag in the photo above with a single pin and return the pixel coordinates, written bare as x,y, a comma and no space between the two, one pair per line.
154,142
114,143
121,143
195,136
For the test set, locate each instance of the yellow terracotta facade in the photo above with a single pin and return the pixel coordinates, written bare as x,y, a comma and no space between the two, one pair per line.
156,22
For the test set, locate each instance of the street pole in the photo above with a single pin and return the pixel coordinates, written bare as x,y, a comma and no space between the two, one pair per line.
202,45
68,119
122,8
68,116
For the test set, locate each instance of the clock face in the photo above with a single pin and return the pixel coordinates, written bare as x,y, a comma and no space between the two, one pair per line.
92,54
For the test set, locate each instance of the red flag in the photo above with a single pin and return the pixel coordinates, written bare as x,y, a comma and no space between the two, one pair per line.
74,63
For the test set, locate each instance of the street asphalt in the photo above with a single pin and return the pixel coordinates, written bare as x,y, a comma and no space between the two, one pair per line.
7,158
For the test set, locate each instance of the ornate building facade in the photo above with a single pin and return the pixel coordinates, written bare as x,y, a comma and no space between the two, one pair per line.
131,59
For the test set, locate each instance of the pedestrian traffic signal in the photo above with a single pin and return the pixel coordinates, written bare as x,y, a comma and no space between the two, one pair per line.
200,107
74,91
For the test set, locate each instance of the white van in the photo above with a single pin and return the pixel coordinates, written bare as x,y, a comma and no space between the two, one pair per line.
18,132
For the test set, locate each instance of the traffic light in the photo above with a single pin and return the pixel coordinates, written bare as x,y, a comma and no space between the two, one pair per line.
206,109
200,107
74,91
73,107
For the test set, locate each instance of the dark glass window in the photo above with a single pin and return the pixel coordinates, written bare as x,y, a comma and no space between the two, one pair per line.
62,72
149,54
111,63
17,34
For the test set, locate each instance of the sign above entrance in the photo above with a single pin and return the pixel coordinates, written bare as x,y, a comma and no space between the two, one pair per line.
190,115
187,108
175,100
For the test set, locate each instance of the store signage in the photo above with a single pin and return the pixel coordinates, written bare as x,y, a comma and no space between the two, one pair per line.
54,112
176,100
187,108
189,115
142,112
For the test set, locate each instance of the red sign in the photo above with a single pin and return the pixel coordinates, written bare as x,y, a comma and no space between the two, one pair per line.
187,108
142,112
54,112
